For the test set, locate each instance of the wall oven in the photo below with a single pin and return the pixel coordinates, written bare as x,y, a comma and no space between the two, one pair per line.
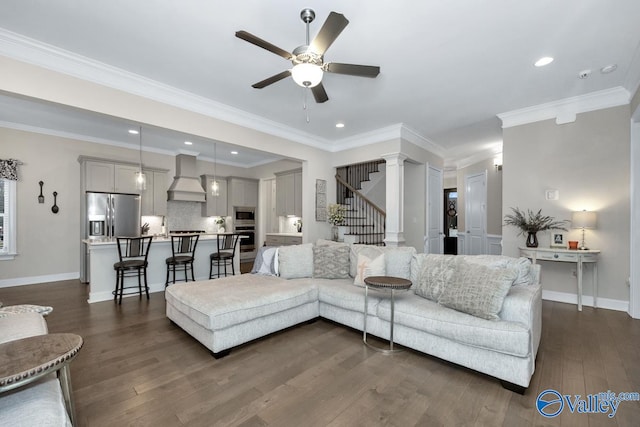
248,244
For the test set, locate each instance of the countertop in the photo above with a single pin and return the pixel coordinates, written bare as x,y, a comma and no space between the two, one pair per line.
156,239
285,234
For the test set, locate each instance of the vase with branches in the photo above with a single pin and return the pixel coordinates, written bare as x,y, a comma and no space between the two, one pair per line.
531,222
335,217
335,214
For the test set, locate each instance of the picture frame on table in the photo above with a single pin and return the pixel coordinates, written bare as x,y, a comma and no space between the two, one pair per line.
558,239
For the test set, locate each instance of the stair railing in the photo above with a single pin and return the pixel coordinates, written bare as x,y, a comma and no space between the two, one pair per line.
363,217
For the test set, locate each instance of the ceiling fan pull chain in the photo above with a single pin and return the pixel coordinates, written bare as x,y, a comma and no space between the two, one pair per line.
304,103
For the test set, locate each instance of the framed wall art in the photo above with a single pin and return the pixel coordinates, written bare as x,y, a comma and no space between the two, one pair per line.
558,239
321,200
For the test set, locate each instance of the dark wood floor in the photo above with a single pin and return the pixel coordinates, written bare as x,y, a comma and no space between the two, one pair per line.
137,368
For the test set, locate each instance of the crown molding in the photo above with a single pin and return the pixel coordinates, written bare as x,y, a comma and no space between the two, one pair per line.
476,158
37,53
396,131
413,137
377,135
564,110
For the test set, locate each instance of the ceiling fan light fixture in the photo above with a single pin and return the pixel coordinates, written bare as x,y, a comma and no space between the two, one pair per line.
307,75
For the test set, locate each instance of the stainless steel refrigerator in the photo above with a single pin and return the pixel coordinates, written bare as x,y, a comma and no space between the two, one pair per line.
110,215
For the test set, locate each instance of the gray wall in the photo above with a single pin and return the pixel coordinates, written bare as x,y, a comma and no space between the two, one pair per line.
588,163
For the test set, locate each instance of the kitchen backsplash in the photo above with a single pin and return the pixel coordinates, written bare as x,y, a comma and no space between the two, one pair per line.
182,216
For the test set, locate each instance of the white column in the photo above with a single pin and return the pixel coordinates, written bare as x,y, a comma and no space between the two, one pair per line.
395,199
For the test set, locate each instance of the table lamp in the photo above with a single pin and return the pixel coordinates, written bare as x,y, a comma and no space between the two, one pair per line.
583,219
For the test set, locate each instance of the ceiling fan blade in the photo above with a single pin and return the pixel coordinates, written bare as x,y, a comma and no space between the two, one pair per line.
272,79
319,93
263,44
353,70
331,29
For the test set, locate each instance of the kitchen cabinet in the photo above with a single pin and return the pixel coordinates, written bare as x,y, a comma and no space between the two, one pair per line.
154,198
282,240
125,178
242,192
215,205
110,177
99,176
289,193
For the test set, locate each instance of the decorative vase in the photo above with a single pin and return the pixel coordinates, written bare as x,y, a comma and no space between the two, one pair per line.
221,230
334,233
532,240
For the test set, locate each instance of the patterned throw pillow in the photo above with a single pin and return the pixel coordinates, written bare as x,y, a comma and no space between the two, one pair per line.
331,261
25,308
477,290
434,274
368,267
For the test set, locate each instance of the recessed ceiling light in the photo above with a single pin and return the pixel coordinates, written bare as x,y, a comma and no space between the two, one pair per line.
234,152
133,131
608,68
188,143
339,125
546,60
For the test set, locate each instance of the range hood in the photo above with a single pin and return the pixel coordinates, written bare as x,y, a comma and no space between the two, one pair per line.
186,185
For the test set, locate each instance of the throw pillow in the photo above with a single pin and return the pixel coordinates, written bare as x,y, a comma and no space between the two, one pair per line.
323,242
25,308
295,261
521,265
434,274
370,251
331,261
398,261
267,267
369,267
477,289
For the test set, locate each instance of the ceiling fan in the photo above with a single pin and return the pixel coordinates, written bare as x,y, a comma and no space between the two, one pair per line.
308,59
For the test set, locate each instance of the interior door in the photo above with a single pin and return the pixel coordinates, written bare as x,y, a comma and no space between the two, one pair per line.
434,243
475,213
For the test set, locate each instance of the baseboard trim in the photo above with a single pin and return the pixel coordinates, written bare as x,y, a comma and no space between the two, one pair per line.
23,281
587,300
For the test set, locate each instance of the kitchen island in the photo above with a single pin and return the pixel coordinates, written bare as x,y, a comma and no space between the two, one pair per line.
103,253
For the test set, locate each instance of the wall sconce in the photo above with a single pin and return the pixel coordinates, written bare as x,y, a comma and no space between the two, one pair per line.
583,219
497,163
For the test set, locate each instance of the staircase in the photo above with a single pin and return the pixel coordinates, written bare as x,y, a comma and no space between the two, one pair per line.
364,219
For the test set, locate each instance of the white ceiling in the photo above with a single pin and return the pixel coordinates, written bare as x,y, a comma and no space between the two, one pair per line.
447,68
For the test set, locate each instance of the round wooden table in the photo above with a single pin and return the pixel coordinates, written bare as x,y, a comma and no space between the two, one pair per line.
26,360
383,283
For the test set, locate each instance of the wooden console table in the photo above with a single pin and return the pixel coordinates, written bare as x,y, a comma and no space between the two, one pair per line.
578,257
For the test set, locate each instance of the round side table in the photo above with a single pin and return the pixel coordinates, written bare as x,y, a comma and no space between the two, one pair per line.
383,283
25,360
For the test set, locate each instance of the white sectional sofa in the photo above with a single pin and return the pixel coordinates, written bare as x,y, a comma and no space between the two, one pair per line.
40,403
304,282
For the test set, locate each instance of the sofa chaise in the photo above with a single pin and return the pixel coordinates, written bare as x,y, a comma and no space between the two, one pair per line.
482,312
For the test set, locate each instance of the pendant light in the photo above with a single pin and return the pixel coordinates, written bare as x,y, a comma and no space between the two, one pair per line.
215,187
141,179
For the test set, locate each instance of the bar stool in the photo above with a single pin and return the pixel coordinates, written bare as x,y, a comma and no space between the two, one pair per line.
183,249
133,253
225,255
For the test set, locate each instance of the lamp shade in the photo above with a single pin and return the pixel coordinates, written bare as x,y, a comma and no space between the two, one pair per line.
583,219
307,75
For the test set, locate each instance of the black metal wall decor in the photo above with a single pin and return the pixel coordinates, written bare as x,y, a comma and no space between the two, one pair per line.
55,208
41,197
